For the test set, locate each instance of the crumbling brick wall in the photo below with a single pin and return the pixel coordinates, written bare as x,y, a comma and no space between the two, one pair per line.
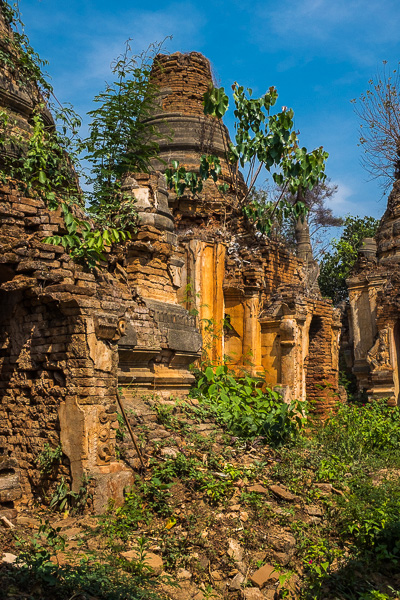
70,335
62,328
56,349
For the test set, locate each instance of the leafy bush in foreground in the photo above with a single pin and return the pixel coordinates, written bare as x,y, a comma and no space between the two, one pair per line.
247,408
96,574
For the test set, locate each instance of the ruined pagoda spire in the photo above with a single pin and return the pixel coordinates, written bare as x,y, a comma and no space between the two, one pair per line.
186,134
303,241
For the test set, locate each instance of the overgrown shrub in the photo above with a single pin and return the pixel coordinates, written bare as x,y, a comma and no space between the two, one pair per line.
357,451
246,408
357,432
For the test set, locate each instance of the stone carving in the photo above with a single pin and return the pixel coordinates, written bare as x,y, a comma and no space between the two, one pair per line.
288,330
175,271
108,420
109,327
379,356
105,453
375,306
121,329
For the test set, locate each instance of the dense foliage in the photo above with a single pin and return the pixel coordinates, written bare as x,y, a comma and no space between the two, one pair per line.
247,408
120,141
337,264
357,451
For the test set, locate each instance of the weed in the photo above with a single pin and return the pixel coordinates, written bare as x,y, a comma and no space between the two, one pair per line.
105,577
208,592
356,432
376,595
157,494
120,432
175,550
49,459
120,523
215,479
356,450
65,499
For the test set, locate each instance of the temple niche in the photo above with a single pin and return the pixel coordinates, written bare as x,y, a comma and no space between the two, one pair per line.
258,305
374,314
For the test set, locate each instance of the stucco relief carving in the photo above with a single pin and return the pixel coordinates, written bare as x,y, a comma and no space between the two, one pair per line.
175,271
108,423
378,356
288,328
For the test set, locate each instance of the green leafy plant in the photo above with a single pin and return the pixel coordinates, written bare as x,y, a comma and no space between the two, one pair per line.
65,499
196,475
247,408
103,575
156,494
120,140
336,264
178,178
121,522
262,140
377,595
46,162
121,431
23,62
49,458
361,430
356,450
37,552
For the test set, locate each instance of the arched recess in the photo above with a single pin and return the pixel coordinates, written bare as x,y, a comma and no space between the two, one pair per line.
234,327
315,340
6,273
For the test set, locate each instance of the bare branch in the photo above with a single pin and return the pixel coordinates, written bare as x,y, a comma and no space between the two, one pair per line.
379,112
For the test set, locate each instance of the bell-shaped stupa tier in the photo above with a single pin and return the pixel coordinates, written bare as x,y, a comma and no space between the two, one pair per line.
186,133
19,94
388,235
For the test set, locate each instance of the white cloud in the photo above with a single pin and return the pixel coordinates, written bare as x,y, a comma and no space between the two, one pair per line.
341,203
95,40
347,200
357,29
144,27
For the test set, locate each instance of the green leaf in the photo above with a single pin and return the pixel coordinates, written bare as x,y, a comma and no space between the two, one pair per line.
209,373
42,177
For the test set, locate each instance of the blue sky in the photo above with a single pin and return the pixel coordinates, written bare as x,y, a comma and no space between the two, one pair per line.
318,53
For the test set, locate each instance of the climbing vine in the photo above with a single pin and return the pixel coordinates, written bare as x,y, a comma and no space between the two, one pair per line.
17,54
47,162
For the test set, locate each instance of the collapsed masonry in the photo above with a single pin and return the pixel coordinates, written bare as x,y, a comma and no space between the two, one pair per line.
374,315
69,336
